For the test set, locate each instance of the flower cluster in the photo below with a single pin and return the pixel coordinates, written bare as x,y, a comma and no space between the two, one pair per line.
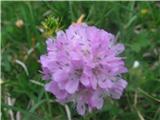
83,67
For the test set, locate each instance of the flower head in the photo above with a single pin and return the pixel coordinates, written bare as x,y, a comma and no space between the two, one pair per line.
83,66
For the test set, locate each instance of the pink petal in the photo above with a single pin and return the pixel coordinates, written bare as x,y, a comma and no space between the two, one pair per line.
118,48
60,76
97,100
85,80
81,108
53,88
105,83
117,88
93,82
72,86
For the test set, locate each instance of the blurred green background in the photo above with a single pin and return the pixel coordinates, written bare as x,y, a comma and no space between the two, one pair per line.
24,29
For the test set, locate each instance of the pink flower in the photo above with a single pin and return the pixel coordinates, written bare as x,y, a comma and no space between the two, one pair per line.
83,66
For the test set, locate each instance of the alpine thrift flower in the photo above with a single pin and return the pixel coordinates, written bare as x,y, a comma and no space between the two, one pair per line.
83,67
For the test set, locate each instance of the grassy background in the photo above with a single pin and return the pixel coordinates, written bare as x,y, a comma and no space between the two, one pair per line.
136,24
